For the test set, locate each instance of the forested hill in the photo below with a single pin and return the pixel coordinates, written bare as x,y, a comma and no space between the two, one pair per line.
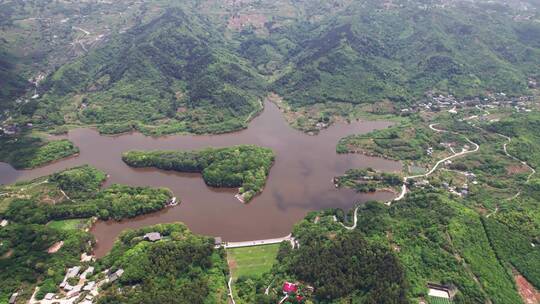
374,51
11,84
205,67
175,69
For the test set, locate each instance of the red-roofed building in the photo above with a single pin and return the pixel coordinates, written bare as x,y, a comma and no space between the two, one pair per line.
289,287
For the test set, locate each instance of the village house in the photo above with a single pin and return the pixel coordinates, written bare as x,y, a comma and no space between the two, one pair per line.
86,257
13,298
152,236
74,292
89,286
10,130
87,272
441,291
72,272
289,287
113,277
218,242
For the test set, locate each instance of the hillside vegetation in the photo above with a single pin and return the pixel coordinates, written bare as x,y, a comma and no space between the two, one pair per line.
77,193
181,268
35,210
170,75
397,251
12,84
28,152
371,52
191,69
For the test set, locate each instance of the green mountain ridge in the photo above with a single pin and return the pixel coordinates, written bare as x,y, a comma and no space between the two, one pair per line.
171,70
368,54
11,84
184,72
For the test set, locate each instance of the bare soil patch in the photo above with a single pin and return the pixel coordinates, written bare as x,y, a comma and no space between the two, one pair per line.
528,293
238,22
516,169
55,247
7,254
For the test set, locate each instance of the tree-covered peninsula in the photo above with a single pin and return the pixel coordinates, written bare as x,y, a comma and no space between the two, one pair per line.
244,166
77,193
43,225
26,152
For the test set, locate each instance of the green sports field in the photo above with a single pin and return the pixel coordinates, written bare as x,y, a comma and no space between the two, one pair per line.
437,300
69,224
251,261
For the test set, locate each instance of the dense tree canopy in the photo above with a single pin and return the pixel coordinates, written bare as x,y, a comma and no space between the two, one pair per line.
243,166
181,268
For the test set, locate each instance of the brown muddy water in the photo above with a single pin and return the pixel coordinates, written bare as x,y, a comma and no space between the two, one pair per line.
300,180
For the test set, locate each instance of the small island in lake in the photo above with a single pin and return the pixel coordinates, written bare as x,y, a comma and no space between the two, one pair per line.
244,166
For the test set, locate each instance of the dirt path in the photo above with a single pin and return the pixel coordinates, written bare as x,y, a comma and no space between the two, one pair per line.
229,284
527,291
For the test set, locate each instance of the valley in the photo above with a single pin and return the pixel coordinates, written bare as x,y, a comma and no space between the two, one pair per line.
263,152
216,211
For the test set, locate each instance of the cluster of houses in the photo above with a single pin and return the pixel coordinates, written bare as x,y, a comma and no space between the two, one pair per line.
437,102
72,293
9,129
461,191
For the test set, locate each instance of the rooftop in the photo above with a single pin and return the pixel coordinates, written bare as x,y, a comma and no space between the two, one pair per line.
153,236
289,287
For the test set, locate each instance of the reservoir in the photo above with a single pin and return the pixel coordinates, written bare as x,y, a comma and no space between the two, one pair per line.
300,180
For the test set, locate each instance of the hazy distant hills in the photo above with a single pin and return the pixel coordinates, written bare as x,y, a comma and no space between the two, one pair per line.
205,68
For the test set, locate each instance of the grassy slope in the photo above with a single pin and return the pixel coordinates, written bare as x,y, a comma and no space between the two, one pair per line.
72,224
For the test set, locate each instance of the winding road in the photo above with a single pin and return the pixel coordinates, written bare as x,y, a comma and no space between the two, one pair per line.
505,149
407,178
354,221
533,171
